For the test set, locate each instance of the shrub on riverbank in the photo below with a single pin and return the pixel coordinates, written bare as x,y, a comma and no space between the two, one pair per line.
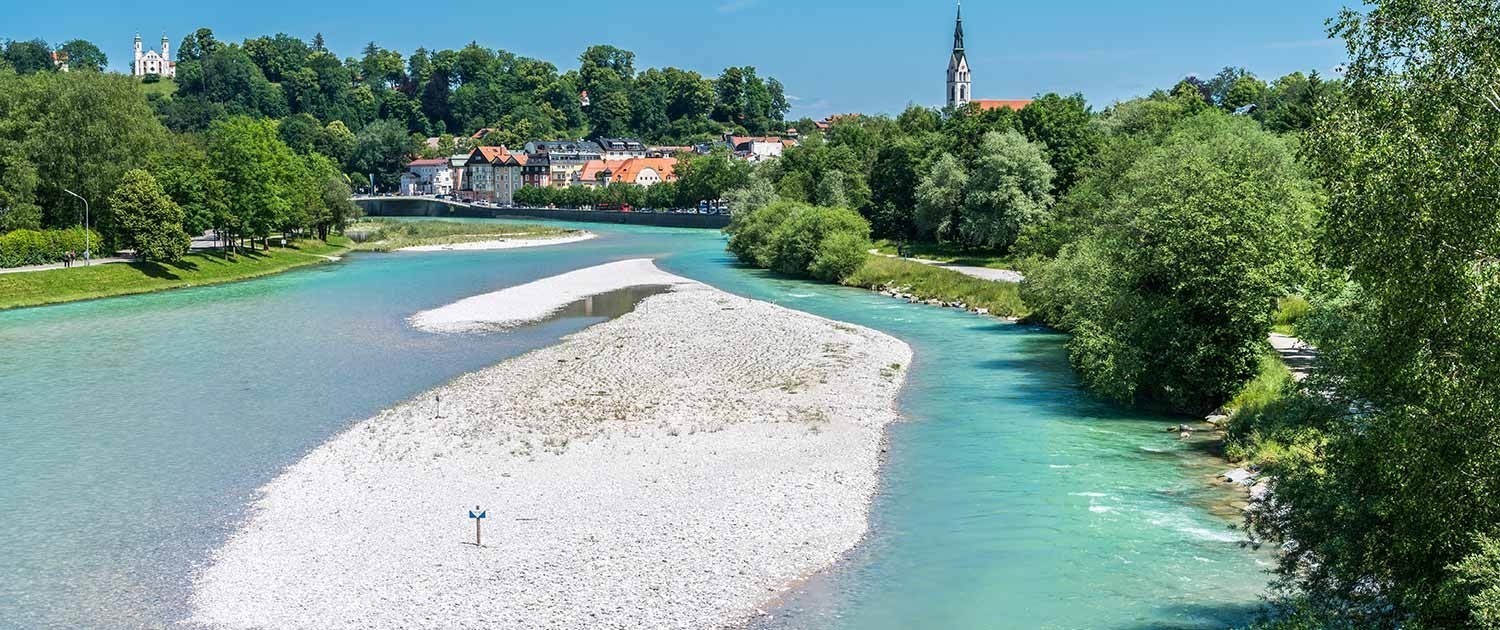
1170,292
40,247
798,239
927,282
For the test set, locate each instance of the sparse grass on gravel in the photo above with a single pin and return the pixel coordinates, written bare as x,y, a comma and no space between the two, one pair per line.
928,282
382,235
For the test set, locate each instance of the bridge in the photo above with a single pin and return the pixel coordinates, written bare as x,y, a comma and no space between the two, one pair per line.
449,208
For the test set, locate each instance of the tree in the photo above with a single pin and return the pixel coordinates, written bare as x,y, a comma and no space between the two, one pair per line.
382,149
78,131
708,177
1292,102
337,142
195,47
1248,90
940,198
279,56
1065,126
1169,297
798,239
149,221
255,167
301,132
84,55
1009,189
1394,523
756,194
185,174
894,178
1219,87
28,57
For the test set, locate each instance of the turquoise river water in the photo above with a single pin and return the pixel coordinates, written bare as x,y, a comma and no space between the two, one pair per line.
134,430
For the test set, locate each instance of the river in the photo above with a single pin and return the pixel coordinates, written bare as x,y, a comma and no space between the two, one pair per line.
134,430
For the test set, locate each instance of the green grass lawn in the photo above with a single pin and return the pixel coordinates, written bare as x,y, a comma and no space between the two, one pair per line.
383,235
929,282
950,254
164,87
84,283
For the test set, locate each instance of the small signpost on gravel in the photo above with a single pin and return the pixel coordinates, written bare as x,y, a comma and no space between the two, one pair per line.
478,516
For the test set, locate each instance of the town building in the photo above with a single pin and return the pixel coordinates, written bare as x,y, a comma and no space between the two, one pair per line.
457,166
961,84
492,174
621,148
150,62
564,159
757,148
427,177
643,172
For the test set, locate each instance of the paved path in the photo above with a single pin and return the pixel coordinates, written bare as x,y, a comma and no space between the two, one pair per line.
983,273
96,261
1297,355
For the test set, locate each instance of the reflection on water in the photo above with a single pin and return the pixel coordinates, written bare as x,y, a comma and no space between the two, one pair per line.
609,305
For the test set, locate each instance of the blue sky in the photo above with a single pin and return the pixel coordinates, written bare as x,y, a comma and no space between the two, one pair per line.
833,55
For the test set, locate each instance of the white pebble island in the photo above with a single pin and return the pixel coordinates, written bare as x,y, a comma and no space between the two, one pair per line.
676,467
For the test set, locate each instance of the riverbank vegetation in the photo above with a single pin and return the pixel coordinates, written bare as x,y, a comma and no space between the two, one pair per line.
384,235
146,188
1180,229
927,282
36,288
1394,523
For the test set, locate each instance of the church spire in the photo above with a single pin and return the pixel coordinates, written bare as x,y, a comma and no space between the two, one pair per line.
958,30
959,85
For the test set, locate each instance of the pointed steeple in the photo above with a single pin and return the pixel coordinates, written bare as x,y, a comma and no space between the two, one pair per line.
958,30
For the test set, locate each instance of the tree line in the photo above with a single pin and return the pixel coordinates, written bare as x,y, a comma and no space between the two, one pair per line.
250,131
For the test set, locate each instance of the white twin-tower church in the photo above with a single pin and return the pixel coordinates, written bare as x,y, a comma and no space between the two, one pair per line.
152,62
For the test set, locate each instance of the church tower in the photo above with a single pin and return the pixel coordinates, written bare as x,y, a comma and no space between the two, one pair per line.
137,54
959,88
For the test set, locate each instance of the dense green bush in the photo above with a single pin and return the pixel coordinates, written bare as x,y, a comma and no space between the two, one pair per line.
798,239
39,247
1170,296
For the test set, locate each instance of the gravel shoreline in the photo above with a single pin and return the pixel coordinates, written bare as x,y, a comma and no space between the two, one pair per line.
674,468
534,301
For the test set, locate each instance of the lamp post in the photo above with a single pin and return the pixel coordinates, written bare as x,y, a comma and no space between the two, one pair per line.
86,244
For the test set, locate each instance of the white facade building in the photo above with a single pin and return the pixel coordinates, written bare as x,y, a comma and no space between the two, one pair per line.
427,177
152,62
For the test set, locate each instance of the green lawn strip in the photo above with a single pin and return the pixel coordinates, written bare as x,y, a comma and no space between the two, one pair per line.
928,282
384,236
949,254
203,268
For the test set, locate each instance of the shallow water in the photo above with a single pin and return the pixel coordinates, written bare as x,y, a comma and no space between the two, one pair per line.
133,431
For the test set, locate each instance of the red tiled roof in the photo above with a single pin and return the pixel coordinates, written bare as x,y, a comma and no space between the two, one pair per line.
489,154
429,162
989,104
629,171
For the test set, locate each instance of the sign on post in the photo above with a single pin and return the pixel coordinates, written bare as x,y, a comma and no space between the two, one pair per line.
477,515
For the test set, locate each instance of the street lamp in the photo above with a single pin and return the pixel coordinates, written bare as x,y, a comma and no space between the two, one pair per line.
86,243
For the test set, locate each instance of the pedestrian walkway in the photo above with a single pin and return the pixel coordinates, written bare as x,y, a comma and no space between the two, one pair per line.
76,264
983,273
1295,353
